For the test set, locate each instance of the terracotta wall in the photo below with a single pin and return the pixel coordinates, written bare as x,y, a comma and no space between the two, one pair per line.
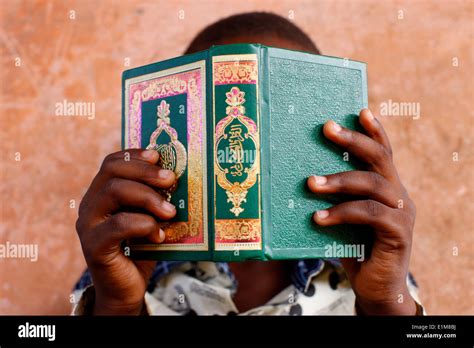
417,51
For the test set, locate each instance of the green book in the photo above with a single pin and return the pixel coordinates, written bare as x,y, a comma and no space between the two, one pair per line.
241,126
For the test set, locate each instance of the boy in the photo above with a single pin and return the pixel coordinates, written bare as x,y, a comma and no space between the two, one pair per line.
126,287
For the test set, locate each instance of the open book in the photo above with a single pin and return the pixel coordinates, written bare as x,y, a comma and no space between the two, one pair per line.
241,126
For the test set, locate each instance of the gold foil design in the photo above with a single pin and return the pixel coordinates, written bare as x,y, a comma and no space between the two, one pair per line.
236,191
172,155
190,79
236,146
159,88
235,72
237,233
241,230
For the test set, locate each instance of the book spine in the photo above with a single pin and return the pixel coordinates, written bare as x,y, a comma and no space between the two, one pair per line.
236,138
265,151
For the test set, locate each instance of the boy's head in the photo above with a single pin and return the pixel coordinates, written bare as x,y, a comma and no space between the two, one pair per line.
255,27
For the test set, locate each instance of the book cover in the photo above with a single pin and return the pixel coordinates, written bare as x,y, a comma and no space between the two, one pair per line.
240,125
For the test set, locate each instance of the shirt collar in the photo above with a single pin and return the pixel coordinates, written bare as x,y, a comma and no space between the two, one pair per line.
303,272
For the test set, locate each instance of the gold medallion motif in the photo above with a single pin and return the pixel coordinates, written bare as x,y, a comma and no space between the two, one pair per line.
173,155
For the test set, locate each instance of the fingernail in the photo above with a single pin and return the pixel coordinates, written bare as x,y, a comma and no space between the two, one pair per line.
170,208
149,154
335,127
320,180
370,116
165,174
162,236
322,214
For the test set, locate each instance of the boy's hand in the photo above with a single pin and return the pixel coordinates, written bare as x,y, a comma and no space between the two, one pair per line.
380,281
108,215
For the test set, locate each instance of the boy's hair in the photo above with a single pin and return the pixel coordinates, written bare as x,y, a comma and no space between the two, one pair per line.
252,23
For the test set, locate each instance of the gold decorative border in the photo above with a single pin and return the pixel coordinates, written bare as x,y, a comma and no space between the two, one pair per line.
252,79
200,166
239,229
236,72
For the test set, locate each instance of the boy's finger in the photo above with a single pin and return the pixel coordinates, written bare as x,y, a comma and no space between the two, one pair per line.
126,156
358,183
150,156
139,171
119,193
125,225
366,212
374,129
361,146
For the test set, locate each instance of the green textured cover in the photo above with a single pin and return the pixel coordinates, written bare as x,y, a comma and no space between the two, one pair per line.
294,95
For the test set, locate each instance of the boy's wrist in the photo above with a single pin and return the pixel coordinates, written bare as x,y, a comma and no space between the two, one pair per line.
113,307
107,309
407,306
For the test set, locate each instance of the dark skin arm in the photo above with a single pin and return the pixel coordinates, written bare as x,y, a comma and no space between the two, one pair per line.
104,222
380,281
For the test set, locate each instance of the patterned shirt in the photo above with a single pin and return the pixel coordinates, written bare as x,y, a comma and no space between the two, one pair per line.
206,288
